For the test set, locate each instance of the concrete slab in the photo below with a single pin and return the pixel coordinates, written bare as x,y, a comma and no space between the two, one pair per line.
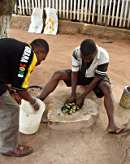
83,118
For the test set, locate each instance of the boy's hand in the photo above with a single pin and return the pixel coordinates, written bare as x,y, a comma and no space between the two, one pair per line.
16,96
71,99
80,101
35,105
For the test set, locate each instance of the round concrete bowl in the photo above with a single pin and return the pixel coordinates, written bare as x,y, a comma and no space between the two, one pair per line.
83,118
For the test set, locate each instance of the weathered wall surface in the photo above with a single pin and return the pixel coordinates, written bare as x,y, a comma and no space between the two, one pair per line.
69,27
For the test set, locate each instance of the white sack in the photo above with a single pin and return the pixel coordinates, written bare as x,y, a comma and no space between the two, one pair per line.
51,25
36,21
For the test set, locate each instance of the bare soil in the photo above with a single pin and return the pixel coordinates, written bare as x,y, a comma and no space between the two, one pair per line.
86,146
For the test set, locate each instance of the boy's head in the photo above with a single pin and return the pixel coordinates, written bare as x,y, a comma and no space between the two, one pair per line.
41,48
88,50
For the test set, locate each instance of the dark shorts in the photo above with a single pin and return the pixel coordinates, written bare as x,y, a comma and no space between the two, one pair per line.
86,81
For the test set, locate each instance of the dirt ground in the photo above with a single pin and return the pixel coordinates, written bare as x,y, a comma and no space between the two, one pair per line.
86,146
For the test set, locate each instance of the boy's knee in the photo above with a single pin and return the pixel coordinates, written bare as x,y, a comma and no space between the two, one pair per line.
58,75
105,87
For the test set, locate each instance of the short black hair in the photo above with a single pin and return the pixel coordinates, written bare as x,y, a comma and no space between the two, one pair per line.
40,43
88,47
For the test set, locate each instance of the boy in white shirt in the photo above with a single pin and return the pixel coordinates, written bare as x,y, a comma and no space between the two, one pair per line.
89,69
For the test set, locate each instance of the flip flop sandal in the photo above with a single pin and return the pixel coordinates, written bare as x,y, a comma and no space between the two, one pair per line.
19,151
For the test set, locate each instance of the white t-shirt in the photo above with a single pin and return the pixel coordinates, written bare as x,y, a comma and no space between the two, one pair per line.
98,66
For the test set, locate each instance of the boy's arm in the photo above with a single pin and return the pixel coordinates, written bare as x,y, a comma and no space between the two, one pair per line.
26,96
87,88
99,75
100,72
74,77
91,86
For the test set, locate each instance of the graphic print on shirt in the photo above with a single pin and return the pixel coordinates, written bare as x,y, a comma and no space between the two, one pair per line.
23,62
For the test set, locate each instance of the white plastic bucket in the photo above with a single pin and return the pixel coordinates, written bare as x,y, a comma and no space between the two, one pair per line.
29,120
